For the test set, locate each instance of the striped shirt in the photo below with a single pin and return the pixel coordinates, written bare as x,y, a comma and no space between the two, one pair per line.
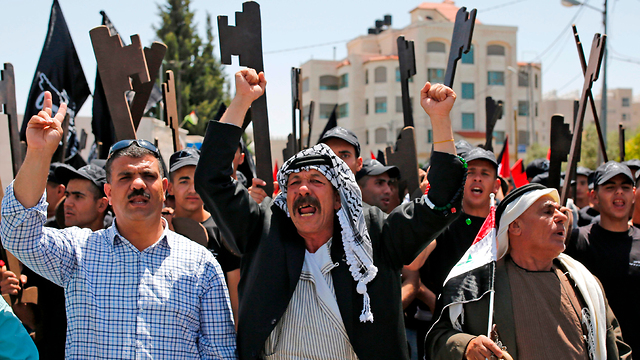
311,327
168,301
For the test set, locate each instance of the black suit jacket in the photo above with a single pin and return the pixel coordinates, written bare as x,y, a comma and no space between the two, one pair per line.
273,252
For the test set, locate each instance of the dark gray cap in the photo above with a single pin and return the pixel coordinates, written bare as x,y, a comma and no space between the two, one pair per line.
373,167
633,164
537,166
480,154
52,173
584,171
463,147
342,134
184,157
93,173
606,172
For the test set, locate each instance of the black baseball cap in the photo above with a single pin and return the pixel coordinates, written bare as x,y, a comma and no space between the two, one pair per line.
606,172
478,153
52,173
537,166
373,167
341,133
633,164
184,157
93,173
584,171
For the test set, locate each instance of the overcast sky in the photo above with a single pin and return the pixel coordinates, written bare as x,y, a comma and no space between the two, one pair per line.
298,30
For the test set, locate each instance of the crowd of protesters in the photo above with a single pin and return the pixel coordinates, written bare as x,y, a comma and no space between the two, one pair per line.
342,262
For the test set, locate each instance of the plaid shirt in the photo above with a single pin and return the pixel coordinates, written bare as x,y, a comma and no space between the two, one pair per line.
168,301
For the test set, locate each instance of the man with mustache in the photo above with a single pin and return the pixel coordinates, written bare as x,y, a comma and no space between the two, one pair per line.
134,290
317,283
610,249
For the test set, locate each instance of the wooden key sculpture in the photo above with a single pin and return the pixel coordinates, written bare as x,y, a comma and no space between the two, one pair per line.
245,40
460,41
290,150
407,59
592,103
405,158
116,65
171,108
8,103
312,105
153,56
296,105
560,141
494,112
591,75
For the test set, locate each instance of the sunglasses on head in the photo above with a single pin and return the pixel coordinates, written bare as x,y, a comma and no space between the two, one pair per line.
123,144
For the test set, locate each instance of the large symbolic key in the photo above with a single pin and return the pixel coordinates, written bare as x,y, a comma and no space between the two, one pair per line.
153,56
407,60
8,105
171,109
116,65
460,41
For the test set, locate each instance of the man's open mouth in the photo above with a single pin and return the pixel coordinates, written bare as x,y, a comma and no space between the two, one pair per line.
306,210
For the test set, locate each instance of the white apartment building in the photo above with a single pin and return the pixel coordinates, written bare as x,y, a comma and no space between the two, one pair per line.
366,84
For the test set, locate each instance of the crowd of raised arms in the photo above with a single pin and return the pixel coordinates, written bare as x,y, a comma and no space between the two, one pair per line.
340,262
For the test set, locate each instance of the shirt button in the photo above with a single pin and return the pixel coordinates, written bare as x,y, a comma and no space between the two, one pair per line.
273,322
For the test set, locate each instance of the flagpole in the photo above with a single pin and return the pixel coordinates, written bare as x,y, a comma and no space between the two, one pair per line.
493,279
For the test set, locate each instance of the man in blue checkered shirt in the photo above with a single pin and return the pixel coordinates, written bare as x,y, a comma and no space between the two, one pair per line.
134,290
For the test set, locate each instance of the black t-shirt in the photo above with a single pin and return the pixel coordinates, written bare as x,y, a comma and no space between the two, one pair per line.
451,245
586,215
228,261
613,257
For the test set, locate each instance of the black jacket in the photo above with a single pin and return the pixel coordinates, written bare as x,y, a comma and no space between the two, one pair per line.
273,252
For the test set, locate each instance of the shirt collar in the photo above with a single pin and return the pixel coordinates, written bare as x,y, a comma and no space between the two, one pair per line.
165,240
323,257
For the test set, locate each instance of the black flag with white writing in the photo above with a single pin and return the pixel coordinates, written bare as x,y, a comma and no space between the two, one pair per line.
59,72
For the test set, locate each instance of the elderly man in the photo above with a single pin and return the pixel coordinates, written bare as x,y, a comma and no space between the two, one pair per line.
547,305
316,283
134,290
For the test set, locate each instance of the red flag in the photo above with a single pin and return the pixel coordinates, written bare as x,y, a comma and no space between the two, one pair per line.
518,174
549,154
503,160
373,157
276,187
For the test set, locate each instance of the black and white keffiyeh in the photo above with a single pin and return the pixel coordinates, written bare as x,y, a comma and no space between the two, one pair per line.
355,237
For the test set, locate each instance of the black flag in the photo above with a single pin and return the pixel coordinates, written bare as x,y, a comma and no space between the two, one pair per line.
59,71
331,123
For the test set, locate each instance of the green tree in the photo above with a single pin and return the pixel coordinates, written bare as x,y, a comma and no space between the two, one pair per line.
200,81
535,151
591,146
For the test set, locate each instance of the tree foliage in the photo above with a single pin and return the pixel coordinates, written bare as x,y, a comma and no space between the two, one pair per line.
200,81
591,146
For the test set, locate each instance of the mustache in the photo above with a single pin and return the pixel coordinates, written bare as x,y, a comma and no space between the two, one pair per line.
138,192
307,200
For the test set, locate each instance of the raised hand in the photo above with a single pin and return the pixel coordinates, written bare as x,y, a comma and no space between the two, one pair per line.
249,84
44,131
437,100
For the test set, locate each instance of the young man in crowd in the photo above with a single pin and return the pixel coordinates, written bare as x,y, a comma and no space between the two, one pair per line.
374,181
610,249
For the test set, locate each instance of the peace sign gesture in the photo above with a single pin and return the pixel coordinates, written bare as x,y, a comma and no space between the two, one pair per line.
43,131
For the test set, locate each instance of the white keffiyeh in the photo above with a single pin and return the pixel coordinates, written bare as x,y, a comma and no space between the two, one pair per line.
355,237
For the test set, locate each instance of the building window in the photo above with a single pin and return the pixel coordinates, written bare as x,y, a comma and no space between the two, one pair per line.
326,110
344,81
523,79
366,106
535,77
499,137
468,91
343,110
626,102
398,76
305,85
536,109
436,46
495,50
305,112
468,121
380,74
429,136
523,137
624,117
468,57
366,76
495,78
398,104
435,75
381,105
381,136
523,108
328,82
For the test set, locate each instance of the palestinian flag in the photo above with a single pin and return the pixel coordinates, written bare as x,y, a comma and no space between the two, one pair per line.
519,174
473,276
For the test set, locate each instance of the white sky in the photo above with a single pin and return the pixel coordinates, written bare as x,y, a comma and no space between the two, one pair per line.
543,35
